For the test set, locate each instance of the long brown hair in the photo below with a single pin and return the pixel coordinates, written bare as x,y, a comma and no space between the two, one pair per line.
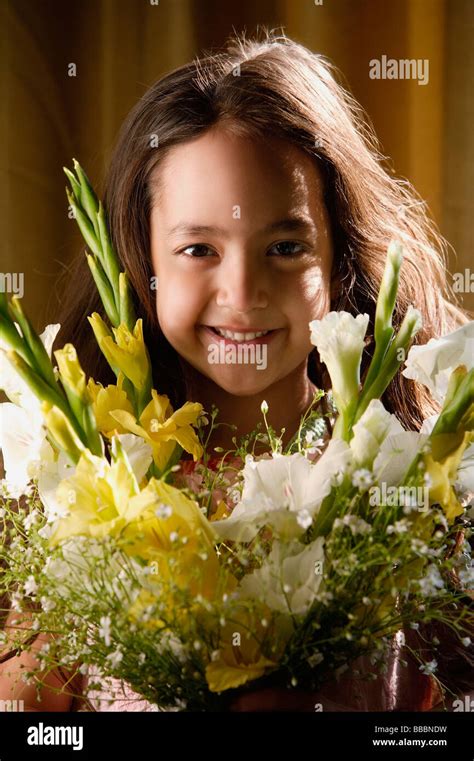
261,87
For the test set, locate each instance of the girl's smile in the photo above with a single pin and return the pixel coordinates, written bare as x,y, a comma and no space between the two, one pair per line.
239,334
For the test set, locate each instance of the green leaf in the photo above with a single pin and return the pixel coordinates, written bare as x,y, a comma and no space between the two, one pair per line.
105,290
383,330
76,188
89,200
109,258
86,228
41,360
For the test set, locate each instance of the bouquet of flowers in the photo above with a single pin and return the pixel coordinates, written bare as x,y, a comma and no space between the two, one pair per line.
280,568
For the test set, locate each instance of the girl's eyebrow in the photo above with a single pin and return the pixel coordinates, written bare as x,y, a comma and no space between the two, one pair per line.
295,223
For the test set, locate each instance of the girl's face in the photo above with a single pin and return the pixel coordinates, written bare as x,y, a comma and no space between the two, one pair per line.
240,242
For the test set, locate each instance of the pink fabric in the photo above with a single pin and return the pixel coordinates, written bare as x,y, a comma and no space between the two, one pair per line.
401,688
113,696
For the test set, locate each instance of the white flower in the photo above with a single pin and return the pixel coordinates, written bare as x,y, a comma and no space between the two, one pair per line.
16,600
371,431
315,659
14,386
466,641
357,525
277,490
399,527
465,476
304,519
139,453
433,363
429,668
21,437
288,580
169,642
53,469
31,519
47,604
46,531
466,576
315,447
396,454
362,479
55,568
428,424
21,431
115,658
339,339
30,586
104,629
45,650
163,511
432,582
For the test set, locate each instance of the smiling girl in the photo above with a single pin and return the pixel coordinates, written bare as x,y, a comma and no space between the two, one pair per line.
246,197
241,245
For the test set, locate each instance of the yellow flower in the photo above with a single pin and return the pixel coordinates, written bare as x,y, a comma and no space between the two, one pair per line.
144,599
167,529
442,466
163,429
239,658
96,497
125,350
72,374
222,511
61,431
107,400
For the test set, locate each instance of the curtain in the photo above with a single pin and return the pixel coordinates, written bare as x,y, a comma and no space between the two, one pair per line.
70,72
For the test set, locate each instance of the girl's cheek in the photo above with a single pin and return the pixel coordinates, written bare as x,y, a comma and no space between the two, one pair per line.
312,290
179,304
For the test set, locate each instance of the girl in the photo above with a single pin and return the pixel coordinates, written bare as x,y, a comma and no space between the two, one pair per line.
245,196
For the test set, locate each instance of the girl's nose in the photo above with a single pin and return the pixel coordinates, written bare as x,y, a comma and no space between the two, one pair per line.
242,285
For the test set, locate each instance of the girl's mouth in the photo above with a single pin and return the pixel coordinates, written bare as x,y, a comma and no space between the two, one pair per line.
235,337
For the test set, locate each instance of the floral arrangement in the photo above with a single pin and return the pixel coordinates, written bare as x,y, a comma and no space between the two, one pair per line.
286,566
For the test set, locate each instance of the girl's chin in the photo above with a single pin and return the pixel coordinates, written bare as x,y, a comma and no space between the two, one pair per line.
241,382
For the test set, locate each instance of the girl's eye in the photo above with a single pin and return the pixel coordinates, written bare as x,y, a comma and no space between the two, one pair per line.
200,250
286,248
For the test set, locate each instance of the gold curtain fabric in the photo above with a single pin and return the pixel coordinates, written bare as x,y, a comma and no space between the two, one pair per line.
120,47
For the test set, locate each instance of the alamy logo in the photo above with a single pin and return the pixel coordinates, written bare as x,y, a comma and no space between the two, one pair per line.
12,282
238,354
404,68
463,282
411,497
12,706
466,705
47,735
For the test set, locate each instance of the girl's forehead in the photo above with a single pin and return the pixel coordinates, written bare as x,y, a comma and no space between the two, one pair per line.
220,166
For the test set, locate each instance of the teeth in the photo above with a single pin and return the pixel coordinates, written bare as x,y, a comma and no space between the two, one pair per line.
240,336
